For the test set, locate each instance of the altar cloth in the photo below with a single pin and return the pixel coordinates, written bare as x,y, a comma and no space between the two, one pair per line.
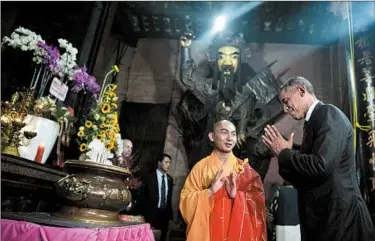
12,230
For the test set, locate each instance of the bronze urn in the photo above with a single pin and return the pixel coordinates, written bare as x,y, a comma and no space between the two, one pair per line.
93,192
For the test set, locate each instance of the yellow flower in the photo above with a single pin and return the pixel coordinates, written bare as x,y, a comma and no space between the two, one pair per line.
114,105
110,146
116,68
88,124
106,108
113,88
99,137
80,133
112,135
102,126
83,147
108,121
110,94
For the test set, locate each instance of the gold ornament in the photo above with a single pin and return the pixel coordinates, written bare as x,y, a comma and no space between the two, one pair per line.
12,121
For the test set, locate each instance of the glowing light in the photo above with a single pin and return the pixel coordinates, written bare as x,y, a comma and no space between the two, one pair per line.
220,23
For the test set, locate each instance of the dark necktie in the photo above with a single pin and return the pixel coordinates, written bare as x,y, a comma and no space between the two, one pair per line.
162,198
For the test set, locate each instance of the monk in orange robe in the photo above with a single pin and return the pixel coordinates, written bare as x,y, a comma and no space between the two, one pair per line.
223,197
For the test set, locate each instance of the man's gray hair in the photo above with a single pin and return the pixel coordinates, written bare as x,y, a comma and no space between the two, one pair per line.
298,80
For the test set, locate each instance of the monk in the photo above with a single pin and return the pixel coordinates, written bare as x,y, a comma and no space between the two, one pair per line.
223,197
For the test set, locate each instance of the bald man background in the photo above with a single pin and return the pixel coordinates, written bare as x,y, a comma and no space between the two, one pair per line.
128,148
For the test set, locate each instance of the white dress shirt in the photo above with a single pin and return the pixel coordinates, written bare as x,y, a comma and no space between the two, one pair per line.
311,109
159,175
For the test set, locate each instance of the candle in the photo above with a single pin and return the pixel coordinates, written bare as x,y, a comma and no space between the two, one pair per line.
39,153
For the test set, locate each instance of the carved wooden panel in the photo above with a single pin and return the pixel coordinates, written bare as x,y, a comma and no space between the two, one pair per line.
267,22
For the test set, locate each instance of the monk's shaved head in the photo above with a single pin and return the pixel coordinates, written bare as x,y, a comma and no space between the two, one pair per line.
221,123
223,136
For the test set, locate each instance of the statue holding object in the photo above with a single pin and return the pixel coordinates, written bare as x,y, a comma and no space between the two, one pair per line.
231,90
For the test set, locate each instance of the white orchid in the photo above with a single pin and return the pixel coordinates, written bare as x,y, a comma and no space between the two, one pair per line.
67,61
26,40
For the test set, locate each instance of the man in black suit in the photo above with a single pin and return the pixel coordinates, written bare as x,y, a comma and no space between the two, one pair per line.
156,196
322,169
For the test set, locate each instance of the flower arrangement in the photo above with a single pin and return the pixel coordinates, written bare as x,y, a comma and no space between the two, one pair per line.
128,163
133,183
52,61
98,137
46,107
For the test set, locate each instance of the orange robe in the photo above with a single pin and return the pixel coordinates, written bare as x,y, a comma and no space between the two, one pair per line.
219,217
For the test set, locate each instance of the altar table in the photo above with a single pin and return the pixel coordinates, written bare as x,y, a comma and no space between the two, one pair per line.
12,230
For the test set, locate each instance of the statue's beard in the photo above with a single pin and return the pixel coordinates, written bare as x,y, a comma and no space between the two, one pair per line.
227,88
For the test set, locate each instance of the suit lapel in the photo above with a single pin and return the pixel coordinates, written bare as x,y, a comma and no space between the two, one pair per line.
307,135
317,107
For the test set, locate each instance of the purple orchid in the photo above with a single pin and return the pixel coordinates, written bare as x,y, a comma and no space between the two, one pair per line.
93,86
51,55
84,81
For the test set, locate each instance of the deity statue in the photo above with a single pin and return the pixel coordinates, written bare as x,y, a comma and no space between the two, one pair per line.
231,90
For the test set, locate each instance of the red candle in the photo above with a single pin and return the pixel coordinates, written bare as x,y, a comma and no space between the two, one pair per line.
39,153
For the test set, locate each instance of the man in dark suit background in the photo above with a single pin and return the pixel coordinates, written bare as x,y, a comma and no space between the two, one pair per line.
322,169
156,196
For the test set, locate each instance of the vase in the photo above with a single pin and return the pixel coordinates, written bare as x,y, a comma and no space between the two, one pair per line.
47,132
93,192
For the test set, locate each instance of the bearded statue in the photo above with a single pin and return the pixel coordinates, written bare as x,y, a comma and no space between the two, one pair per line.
230,90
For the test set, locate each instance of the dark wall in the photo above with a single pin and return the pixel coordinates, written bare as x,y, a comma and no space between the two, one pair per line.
146,126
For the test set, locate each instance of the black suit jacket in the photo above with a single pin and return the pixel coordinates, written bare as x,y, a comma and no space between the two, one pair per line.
150,197
331,207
